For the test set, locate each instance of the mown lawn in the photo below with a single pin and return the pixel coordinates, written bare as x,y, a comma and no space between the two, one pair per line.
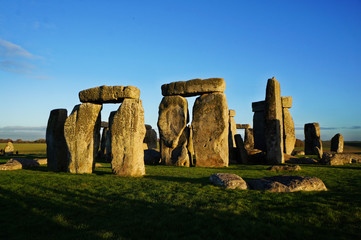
26,148
176,203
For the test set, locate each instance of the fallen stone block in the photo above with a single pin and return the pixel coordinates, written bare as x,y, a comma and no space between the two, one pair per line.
228,181
289,168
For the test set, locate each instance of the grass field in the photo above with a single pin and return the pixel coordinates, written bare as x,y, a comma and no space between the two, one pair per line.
176,203
26,148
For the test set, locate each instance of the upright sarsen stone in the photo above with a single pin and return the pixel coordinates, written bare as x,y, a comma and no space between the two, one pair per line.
56,149
259,125
127,134
172,121
210,130
248,138
150,137
82,135
274,123
109,138
289,136
337,143
313,143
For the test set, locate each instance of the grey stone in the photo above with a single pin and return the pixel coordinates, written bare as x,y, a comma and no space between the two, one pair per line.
150,137
287,184
242,126
274,123
259,130
82,135
210,130
337,143
242,155
103,143
232,132
228,181
258,106
248,138
20,163
108,144
127,134
340,158
289,136
108,94
194,87
152,157
290,168
313,143
56,149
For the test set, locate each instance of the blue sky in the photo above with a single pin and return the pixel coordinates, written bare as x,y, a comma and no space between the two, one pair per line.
51,50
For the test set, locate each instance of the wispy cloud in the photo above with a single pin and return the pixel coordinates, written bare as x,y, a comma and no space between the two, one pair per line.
15,59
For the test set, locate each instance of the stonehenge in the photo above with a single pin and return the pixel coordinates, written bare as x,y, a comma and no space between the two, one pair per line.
337,143
208,135
273,126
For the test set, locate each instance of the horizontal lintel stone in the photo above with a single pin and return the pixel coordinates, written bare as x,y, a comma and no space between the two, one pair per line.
108,94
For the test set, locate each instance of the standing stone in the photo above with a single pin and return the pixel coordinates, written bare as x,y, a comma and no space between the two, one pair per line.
109,138
190,145
289,136
248,138
173,119
82,135
313,143
232,129
210,130
127,134
9,149
56,150
241,150
150,137
259,125
337,143
274,123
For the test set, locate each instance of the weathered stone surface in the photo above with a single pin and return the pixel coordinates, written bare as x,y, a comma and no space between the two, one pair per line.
248,138
179,155
259,130
242,126
152,157
82,135
194,87
190,146
313,143
340,158
299,143
337,143
242,155
274,123
9,148
287,184
21,163
290,168
127,134
303,160
232,132
228,180
300,152
286,102
150,137
172,120
289,135
108,94
108,144
56,149
258,106
232,113
210,130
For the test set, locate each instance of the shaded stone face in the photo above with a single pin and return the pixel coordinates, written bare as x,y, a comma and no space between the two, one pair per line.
82,135
210,130
289,136
194,87
108,94
109,138
150,137
103,143
242,126
337,143
232,132
274,123
259,131
173,118
248,138
56,149
313,143
242,155
127,134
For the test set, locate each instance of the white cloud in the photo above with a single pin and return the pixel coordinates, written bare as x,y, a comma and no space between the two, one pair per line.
11,50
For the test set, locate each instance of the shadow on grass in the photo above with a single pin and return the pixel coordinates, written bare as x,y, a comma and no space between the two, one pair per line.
85,214
203,181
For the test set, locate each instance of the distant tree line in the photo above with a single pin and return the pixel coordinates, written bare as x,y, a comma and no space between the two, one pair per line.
22,141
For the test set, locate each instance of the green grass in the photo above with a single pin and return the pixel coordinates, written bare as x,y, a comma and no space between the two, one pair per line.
26,148
176,203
